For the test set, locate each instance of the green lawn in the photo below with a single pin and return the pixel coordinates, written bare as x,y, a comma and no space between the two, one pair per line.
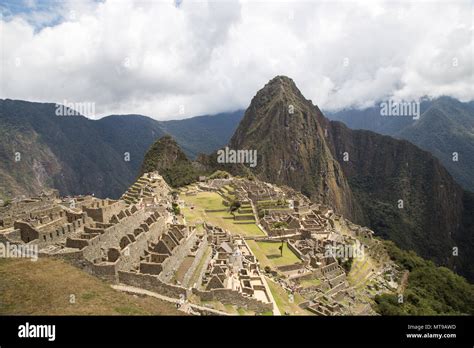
205,200
192,216
269,255
223,219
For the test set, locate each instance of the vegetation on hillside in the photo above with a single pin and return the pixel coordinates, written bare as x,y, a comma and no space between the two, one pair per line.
445,126
166,157
431,290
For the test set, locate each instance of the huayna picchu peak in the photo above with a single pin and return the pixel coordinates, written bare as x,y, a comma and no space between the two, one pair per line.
292,145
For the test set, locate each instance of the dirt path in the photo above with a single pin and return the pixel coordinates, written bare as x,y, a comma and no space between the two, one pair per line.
403,283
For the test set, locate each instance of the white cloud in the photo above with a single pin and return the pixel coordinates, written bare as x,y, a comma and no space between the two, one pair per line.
155,58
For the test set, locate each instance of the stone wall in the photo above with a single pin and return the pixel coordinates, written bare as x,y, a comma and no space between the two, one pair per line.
111,236
289,268
12,237
277,232
197,259
338,287
244,217
203,269
130,255
328,269
28,232
105,271
308,276
172,263
227,296
102,211
151,283
297,252
126,258
76,243
52,234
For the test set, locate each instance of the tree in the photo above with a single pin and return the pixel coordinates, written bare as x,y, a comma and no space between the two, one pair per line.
176,209
234,205
347,264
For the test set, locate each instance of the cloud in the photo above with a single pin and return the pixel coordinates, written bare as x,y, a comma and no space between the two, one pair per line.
174,60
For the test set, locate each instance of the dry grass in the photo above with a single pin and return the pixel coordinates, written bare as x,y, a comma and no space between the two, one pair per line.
45,287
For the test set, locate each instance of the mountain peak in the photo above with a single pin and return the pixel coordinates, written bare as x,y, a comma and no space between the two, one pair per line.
279,88
166,157
287,132
162,154
281,80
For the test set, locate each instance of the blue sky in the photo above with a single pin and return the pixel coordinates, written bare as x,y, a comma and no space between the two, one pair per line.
30,10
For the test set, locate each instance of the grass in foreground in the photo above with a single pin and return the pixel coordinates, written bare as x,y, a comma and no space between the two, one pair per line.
46,287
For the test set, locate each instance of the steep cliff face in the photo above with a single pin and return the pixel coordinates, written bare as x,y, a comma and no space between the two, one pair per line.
406,194
291,145
25,166
445,126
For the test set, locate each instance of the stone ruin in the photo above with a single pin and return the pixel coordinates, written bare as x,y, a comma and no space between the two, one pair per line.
138,241
233,269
